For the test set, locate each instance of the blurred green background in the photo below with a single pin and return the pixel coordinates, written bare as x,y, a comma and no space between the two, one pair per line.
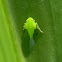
14,41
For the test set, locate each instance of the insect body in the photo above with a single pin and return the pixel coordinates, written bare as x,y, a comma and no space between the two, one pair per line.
30,26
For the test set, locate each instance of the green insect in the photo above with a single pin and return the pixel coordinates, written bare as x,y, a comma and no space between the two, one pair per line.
30,26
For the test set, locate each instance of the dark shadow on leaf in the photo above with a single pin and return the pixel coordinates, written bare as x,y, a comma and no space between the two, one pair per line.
37,35
25,43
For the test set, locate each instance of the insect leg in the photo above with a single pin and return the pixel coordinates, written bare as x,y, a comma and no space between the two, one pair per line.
39,28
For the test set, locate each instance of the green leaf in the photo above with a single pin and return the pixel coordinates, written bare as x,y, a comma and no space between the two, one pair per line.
10,50
14,42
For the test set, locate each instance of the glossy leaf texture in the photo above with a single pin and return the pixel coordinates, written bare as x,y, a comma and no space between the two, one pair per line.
15,41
